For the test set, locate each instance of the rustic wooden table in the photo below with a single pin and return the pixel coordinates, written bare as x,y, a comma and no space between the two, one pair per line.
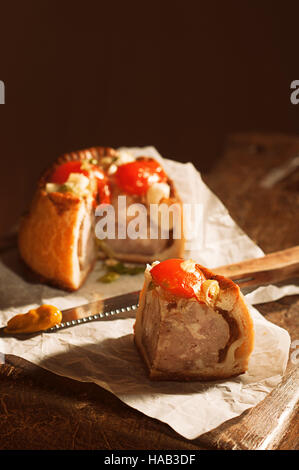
39,410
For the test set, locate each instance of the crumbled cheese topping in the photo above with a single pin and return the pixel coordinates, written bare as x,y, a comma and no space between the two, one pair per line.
124,157
77,183
206,291
79,179
112,169
210,290
121,158
147,274
150,266
188,266
52,187
157,192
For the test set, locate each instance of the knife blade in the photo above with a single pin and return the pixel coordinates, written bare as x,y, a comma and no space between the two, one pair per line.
106,309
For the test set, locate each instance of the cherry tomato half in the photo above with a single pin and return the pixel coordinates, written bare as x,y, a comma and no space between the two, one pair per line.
62,173
170,276
136,177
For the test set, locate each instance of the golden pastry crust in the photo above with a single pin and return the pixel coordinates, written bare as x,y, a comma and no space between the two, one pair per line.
230,305
48,238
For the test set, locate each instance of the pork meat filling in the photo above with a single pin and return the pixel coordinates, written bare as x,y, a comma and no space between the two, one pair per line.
183,335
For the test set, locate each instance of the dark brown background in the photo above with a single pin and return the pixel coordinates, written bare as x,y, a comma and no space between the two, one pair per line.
177,75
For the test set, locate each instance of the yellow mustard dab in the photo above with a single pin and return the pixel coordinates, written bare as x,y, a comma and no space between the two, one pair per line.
38,319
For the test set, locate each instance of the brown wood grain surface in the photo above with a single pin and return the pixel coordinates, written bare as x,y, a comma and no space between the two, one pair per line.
40,410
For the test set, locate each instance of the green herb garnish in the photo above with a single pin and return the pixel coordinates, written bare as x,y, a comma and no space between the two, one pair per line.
109,277
121,268
64,188
114,271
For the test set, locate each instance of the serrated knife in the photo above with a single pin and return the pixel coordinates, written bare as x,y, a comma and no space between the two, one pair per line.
247,274
120,306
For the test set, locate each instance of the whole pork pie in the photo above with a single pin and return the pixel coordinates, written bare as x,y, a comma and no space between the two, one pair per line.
57,236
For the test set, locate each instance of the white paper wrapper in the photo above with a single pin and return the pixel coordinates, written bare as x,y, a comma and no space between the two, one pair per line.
104,352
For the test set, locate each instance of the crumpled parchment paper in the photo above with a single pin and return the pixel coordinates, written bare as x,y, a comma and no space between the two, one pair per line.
104,352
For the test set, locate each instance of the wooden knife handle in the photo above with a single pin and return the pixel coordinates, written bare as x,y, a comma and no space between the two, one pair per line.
270,268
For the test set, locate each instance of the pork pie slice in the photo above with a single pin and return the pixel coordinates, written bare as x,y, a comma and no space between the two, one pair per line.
192,324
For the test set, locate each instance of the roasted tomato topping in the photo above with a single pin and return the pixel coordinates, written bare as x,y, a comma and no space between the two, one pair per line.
178,279
136,177
62,173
